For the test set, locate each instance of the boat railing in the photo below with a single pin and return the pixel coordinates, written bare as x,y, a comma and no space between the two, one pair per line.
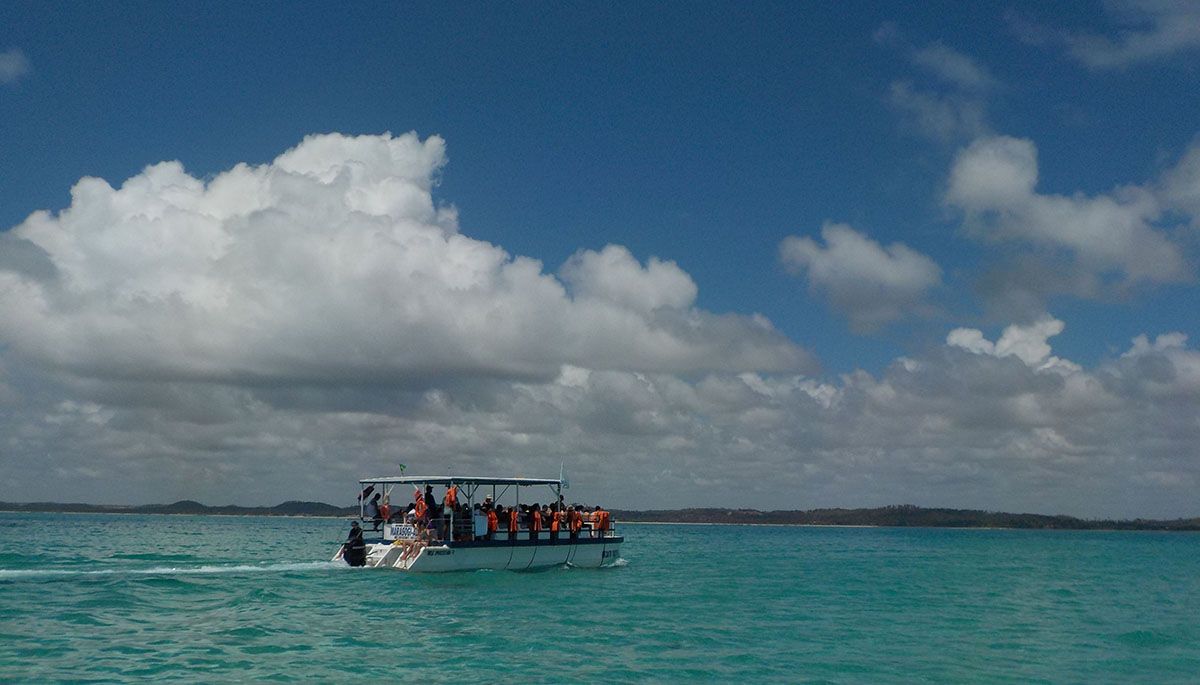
448,529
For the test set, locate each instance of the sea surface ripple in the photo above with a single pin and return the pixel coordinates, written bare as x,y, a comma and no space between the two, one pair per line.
120,598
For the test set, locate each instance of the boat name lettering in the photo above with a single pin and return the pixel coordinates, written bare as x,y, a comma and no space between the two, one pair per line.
399,531
438,552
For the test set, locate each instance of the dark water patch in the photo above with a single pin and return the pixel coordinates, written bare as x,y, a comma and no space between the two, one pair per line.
126,650
245,632
154,557
276,649
80,618
1146,638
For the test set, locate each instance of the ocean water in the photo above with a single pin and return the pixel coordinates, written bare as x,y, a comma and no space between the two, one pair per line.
117,598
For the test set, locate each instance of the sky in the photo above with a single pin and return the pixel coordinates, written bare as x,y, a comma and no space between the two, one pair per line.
769,255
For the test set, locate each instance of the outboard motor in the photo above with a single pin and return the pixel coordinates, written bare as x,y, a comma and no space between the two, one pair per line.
355,554
354,550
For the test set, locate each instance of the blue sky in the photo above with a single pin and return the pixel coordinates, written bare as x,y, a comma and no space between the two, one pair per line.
703,135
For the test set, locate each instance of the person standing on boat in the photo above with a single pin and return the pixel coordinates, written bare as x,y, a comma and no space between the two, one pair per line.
575,521
433,510
535,521
555,521
602,520
420,509
430,502
514,523
373,512
493,523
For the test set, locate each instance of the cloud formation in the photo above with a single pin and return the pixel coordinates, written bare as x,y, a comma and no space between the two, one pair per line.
869,283
14,66
953,67
1111,238
950,105
333,264
1147,30
1001,424
1180,186
291,327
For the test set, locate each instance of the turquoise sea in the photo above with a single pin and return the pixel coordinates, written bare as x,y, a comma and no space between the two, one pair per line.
113,598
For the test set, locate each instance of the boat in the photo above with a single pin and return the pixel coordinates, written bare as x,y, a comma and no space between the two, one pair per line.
405,538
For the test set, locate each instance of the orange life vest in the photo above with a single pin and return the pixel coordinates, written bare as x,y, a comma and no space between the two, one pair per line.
419,502
554,519
385,511
514,522
535,521
602,520
451,499
493,522
575,520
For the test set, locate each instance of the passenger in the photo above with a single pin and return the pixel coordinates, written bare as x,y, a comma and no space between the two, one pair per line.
535,521
433,509
451,498
514,523
555,519
575,521
431,505
373,512
603,520
385,509
420,510
493,523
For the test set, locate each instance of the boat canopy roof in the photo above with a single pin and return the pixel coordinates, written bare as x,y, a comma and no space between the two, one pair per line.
459,480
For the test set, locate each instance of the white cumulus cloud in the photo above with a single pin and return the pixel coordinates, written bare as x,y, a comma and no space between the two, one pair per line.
993,181
868,282
614,275
333,264
1029,343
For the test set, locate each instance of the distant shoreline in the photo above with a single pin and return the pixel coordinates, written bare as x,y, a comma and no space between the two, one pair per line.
896,516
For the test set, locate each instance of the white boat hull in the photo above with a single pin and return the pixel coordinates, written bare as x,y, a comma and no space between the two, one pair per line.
519,555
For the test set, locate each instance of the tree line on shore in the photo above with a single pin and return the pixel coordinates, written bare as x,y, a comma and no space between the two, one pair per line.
905,515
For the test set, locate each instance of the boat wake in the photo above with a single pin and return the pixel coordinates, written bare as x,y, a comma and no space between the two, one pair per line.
8,574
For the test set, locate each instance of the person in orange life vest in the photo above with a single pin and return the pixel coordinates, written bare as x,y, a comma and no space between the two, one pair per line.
575,521
451,498
420,509
602,520
554,521
493,522
535,521
514,523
